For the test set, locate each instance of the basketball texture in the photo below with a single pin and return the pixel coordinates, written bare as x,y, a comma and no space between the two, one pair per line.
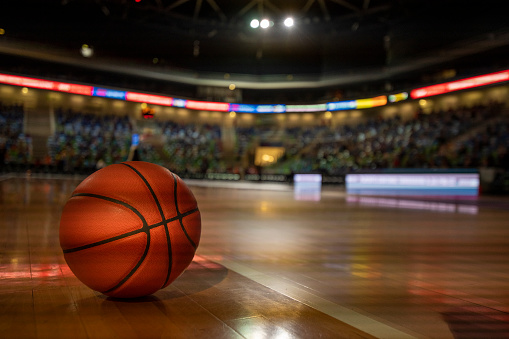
130,229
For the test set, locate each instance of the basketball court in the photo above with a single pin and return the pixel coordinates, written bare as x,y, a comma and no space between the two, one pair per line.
273,264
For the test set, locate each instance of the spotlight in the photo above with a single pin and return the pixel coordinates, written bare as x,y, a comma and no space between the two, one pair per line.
288,22
255,23
264,23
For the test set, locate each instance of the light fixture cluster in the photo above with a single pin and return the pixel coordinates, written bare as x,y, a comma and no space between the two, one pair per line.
266,23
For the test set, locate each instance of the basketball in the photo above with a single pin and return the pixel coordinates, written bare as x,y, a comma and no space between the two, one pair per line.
130,229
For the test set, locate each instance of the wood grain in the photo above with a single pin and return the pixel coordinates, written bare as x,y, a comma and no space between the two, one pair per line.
270,266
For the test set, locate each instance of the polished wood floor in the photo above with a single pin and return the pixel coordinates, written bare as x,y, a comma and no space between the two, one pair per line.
273,265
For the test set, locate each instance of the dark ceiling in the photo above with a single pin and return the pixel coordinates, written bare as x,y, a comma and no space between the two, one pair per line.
334,43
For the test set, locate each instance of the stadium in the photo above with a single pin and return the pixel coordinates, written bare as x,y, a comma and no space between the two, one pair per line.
349,159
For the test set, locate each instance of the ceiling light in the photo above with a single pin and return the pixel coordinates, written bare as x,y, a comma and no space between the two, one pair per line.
288,22
264,23
255,23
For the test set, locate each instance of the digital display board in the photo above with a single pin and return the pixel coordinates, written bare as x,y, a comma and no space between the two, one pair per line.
307,187
242,108
109,93
414,184
179,103
467,83
398,97
341,105
371,102
208,106
270,108
46,84
149,99
306,108
472,82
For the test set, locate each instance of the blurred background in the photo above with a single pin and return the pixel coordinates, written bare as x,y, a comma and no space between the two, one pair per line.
256,90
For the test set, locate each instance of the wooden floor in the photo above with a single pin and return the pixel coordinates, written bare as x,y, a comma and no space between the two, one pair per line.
273,266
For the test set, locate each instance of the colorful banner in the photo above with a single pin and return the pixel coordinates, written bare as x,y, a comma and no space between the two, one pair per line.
473,82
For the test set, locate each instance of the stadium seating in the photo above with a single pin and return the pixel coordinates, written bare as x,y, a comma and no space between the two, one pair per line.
474,137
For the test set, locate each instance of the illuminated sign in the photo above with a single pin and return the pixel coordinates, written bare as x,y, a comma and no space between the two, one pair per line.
109,93
307,187
398,97
306,108
149,99
147,113
246,108
341,105
447,87
410,184
208,106
46,84
307,178
371,102
179,102
242,108
270,109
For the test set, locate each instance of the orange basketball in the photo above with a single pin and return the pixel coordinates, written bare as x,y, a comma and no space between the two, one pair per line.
130,229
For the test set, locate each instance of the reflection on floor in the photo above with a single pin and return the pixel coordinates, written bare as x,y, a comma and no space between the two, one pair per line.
413,204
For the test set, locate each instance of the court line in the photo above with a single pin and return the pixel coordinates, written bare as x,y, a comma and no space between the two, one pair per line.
343,314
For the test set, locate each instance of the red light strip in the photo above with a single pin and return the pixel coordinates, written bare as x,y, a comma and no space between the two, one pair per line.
208,106
149,99
447,87
46,84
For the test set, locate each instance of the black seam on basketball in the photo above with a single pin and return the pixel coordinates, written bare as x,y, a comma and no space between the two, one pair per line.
135,268
163,219
124,235
161,223
180,216
143,229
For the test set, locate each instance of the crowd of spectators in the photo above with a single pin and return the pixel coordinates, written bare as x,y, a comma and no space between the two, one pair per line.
84,142
472,137
192,149
15,146
487,147
421,142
